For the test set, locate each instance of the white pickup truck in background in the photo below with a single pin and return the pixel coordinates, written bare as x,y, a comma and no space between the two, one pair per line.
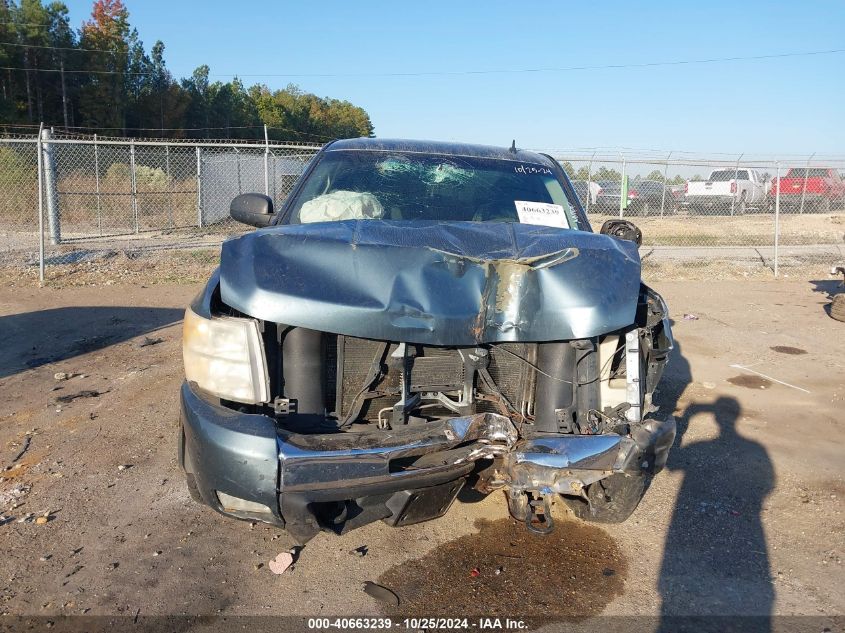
727,191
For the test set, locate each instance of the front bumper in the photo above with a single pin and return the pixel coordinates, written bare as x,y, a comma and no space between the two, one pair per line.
794,198
339,481
718,202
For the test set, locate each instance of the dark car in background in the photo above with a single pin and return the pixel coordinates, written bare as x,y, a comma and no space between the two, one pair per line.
587,190
582,190
678,193
645,197
418,318
607,198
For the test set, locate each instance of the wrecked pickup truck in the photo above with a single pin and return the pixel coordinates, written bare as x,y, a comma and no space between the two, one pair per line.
415,319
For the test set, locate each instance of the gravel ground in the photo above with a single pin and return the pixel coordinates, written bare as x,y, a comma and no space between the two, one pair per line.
747,518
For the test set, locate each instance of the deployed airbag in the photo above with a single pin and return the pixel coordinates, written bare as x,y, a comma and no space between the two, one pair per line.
341,205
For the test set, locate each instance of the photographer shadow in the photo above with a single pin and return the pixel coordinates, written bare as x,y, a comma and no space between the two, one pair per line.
715,559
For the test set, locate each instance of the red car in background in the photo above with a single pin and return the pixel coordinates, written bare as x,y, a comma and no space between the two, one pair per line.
820,188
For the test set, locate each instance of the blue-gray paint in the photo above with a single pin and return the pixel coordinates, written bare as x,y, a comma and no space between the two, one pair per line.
434,283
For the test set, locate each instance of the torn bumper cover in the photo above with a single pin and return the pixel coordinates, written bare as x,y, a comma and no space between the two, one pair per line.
564,464
244,466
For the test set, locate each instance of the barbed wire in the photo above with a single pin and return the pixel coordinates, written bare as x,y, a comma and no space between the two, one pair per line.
75,128
582,154
65,135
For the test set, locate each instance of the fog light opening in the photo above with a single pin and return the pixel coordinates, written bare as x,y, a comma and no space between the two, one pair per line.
236,504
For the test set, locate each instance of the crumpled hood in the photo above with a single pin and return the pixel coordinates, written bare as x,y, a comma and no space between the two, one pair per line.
434,283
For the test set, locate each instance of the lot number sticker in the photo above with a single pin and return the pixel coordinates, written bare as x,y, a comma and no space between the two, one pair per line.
542,213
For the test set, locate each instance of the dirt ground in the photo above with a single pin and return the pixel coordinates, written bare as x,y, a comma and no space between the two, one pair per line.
747,518
752,229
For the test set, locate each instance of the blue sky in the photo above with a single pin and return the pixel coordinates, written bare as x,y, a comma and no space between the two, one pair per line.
783,106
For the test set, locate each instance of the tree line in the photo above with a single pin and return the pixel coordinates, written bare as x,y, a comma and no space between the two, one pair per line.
100,79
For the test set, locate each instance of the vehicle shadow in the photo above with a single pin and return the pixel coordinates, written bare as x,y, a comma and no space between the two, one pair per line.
828,287
715,558
676,378
33,339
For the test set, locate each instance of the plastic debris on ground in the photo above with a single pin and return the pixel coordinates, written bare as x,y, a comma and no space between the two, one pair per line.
381,593
85,393
14,494
281,563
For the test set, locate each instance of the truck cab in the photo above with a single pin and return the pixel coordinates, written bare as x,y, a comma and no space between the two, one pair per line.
729,191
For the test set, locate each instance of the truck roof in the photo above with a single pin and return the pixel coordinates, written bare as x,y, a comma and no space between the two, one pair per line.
437,147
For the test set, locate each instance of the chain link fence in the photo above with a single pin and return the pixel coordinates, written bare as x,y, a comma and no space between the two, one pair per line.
101,196
769,212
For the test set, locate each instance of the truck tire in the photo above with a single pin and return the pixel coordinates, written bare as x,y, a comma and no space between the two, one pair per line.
823,206
612,500
837,307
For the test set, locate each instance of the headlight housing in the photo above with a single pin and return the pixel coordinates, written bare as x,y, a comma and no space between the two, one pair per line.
224,356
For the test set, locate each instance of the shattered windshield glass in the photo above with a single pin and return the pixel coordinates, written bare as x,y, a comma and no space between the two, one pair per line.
355,185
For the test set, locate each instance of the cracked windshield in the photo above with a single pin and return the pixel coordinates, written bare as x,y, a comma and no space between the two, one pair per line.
352,185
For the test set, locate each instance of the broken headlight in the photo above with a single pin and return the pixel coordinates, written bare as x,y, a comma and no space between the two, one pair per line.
224,356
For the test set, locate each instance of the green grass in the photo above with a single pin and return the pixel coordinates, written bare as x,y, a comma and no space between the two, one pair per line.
204,256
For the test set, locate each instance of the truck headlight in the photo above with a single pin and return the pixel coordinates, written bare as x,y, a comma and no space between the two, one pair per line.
224,356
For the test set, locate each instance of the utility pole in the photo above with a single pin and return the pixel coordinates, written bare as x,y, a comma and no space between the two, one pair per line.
28,89
159,87
64,91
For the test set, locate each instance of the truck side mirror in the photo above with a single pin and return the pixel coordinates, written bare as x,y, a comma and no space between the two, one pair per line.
622,230
254,209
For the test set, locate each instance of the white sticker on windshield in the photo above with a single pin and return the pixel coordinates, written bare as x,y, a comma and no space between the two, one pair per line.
542,213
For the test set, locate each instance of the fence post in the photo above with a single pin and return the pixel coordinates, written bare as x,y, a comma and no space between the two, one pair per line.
777,215
133,184
40,209
590,181
266,163
199,186
736,175
238,164
50,185
665,174
97,186
623,193
804,187
169,186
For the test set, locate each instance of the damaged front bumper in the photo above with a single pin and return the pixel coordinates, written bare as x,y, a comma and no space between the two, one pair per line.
244,466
